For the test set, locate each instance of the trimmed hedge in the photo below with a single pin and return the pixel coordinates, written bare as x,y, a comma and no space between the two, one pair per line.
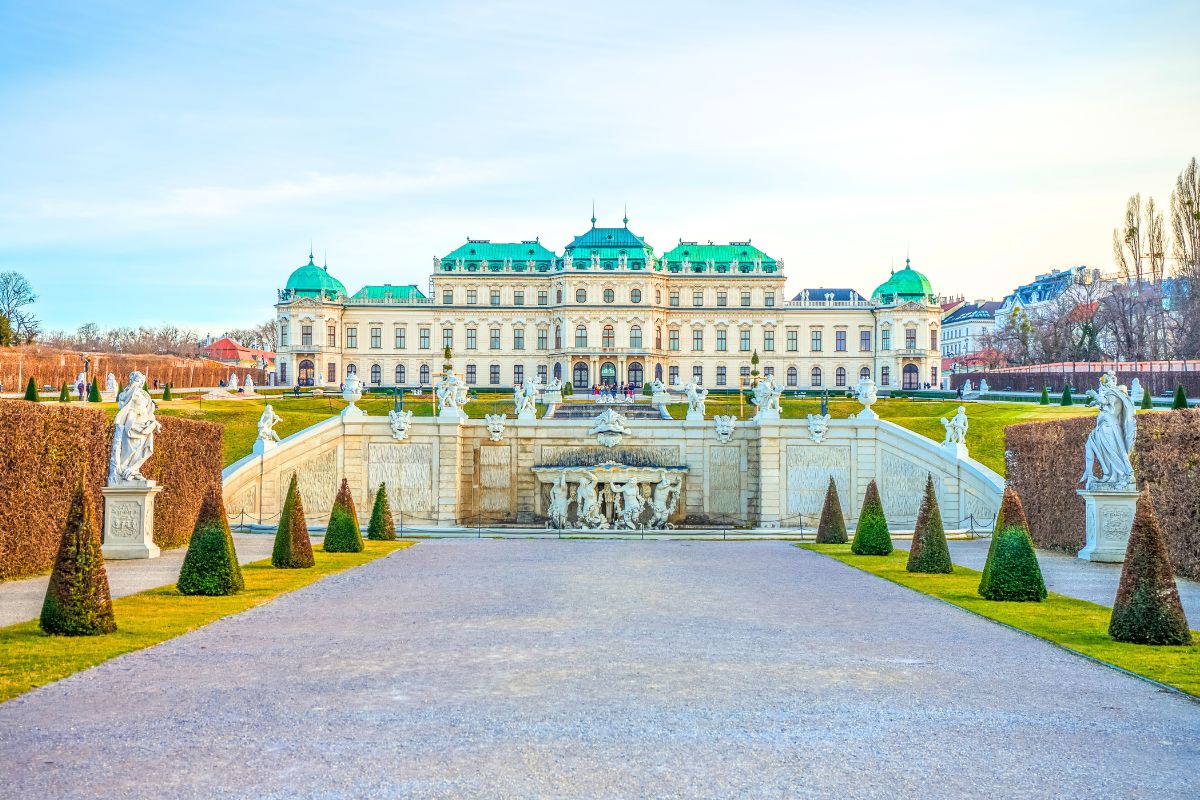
93,392
1011,509
1012,572
1147,609
381,526
832,527
78,602
343,533
1066,396
64,394
1044,400
293,549
211,565
929,551
1044,459
1147,400
31,391
871,537
1180,401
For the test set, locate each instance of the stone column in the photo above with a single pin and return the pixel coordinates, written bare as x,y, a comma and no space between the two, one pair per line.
448,471
1108,519
770,479
129,520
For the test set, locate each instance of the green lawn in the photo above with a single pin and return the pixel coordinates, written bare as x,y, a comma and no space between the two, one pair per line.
29,658
1075,624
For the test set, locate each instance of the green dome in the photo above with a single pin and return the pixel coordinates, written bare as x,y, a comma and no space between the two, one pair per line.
902,286
313,281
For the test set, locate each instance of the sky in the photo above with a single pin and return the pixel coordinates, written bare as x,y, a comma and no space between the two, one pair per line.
172,162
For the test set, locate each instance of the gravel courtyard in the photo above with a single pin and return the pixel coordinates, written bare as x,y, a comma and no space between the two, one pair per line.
462,668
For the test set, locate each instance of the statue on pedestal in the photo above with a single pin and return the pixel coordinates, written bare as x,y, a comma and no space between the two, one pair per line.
133,432
266,425
766,398
696,398
1110,443
956,428
233,382
249,384
451,393
560,500
110,386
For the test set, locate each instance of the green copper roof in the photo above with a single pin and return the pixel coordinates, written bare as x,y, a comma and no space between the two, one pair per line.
313,281
608,237
735,256
604,248
389,292
907,284
472,256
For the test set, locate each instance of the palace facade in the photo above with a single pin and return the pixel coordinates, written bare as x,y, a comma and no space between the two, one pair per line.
607,310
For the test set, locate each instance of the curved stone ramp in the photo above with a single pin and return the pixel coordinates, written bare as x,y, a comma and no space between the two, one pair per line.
601,669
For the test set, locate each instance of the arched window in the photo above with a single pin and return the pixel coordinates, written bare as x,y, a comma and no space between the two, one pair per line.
658,372
376,374
608,373
635,336
306,374
609,295
864,374
658,339
839,377
793,376
635,296
424,374
581,336
351,369
581,295
816,376
558,371
581,375
557,337
910,377
399,374
635,374
607,338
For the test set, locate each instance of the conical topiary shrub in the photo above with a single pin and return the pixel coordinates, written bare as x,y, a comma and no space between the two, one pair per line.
93,395
166,392
77,601
211,566
1180,400
832,527
1012,572
31,391
929,552
871,537
1045,398
343,534
1147,400
1066,396
381,527
292,550
64,394
1147,609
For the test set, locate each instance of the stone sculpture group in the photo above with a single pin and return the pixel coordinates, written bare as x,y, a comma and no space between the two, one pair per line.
631,508
451,392
767,394
134,427
1110,444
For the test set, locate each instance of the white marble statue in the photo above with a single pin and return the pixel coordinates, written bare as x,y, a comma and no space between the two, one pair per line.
451,393
866,395
232,383
818,426
133,432
696,397
766,398
983,387
555,385
587,503
1110,443
495,425
663,501
609,427
400,422
267,423
967,387
525,398
249,385
110,386
724,424
956,428
560,501
1136,391
631,504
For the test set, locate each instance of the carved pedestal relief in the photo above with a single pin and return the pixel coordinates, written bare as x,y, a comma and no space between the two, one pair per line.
495,480
725,480
317,480
808,471
902,486
407,469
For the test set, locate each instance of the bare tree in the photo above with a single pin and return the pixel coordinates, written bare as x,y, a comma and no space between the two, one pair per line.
16,295
1134,312
1185,294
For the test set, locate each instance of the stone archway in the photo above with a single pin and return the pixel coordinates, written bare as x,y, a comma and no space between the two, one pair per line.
305,373
608,373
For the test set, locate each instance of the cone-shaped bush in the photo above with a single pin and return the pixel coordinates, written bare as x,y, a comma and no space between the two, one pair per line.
211,566
1066,396
292,550
167,392
1147,609
77,601
871,537
929,552
31,392
343,534
381,527
832,528
64,394
93,395
1180,400
1045,398
1012,572
1147,400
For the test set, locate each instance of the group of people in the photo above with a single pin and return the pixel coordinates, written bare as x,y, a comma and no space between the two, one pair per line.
611,392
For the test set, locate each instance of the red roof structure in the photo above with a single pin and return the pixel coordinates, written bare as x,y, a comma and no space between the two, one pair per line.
230,351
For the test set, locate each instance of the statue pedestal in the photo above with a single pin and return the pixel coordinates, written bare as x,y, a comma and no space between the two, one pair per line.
352,412
551,398
955,449
129,520
866,413
453,414
767,415
1108,521
694,414
262,446
528,415
660,399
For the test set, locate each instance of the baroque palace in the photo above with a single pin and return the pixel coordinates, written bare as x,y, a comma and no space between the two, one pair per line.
608,310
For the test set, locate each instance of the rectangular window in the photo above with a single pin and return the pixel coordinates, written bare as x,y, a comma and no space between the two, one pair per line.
542,297
543,373
839,341
720,376
471,297
494,339
351,337
673,339
543,338
697,298
423,338
816,342
675,299
495,297
933,376
698,374
885,376
283,342
722,299
744,372
518,298
721,341
744,341
471,374
885,342
745,299
471,341
864,341
768,341
673,375
448,338
331,335
331,372
400,337
306,335
494,374
376,338
769,299
768,372
793,341
518,338
518,373
910,338
933,339
448,297
697,340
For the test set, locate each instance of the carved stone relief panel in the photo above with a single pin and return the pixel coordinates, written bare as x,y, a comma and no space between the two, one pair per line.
407,469
317,480
574,456
495,479
902,485
808,470
725,480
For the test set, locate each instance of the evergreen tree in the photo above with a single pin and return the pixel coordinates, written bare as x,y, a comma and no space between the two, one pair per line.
1010,508
64,394
211,566
93,395
381,526
1012,572
1066,396
1147,400
292,550
929,552
1180,400
77,601
1045,398
832,528
31,391
343,533
1147,609
871,537
166,393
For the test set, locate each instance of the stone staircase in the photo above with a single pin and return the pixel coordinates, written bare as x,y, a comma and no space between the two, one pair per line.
587,410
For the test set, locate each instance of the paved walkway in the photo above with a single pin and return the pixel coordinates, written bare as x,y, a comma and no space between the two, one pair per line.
601,669
22,600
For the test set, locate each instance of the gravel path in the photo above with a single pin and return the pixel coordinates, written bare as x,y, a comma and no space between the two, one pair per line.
522,669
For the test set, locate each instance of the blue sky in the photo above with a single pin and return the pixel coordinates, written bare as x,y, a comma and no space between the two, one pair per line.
171,161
